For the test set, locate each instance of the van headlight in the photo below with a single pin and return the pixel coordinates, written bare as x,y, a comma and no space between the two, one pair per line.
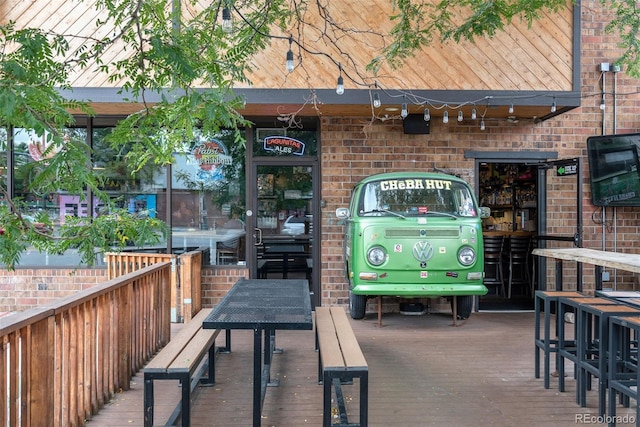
466,255
376,256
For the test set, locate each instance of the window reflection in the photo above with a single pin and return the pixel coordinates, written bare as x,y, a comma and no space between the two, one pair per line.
3,161
135,191
30,153
209,197
208,192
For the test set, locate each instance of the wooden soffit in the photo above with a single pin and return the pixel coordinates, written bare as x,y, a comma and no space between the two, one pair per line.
531,67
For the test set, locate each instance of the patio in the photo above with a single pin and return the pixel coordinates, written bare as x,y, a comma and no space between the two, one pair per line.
422,371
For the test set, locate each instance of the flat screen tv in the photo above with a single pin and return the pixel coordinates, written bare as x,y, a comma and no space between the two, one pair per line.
614,167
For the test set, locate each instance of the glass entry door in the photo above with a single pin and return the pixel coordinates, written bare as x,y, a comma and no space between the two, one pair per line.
283,221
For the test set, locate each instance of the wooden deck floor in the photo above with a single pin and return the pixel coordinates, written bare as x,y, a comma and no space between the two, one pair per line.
423,372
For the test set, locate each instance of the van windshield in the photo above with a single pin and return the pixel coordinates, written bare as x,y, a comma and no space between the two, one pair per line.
416,197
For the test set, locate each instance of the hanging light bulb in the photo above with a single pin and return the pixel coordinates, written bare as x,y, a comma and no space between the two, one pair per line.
511,108
376,100
603,106
340,85
460,116
482,124
474,114
445,117
227,23
553,107
404,112
427,115
290,64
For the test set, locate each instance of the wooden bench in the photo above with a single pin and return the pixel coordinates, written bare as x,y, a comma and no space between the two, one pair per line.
340,360
181,359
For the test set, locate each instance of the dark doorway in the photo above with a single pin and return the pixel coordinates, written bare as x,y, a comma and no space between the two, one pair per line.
517,192
510,190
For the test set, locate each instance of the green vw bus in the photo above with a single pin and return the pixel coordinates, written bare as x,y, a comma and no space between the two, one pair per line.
413,235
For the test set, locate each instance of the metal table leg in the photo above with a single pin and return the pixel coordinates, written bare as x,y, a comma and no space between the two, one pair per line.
257,377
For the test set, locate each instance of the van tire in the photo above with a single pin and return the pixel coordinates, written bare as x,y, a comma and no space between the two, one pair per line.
357,305
465,306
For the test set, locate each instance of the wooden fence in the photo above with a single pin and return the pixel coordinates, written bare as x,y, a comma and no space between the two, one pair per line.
61,362
186,280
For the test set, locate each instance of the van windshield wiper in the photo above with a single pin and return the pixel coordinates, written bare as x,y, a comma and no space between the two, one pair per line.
442,214
380,210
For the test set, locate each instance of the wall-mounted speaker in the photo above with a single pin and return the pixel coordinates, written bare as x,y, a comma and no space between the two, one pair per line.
414,124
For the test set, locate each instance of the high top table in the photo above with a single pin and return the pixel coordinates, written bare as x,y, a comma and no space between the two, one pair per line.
263,305
617,260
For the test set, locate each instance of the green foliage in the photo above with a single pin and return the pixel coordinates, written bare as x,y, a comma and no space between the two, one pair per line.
417,24
114,231
29,76
193,57
626,23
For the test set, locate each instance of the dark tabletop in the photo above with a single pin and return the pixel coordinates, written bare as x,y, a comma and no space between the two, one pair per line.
284,249
263,304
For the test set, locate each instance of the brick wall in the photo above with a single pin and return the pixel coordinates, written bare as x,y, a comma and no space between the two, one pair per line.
217,281
26,288
354,148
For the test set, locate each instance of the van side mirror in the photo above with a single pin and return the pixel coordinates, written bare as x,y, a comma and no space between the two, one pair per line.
342,213
485,212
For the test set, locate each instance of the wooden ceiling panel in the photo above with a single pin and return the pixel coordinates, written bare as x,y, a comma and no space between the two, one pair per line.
531,59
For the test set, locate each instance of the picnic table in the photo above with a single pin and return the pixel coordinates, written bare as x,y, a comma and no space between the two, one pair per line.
263,305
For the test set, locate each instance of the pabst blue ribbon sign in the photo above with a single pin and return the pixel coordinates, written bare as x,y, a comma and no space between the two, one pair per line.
284,145
210,156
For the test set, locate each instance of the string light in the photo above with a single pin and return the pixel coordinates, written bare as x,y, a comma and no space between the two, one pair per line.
227,23
340,85
458,107
404,112
376,100
290,64
482,124
603,106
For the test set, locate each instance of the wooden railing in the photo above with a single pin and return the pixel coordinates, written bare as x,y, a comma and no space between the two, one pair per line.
61,362
186,292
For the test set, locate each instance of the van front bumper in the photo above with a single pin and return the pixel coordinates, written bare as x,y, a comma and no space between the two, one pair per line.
419,290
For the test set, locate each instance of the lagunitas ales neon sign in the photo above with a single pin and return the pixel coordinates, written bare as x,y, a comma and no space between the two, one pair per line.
284,145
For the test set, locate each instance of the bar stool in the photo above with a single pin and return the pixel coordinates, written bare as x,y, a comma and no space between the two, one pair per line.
624,369
518,253
592,361
493,254
544,300
567,347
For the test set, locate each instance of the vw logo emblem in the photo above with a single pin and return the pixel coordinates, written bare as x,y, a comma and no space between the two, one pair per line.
422,251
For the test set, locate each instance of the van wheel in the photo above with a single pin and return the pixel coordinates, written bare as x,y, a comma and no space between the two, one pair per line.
357,305
465,306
